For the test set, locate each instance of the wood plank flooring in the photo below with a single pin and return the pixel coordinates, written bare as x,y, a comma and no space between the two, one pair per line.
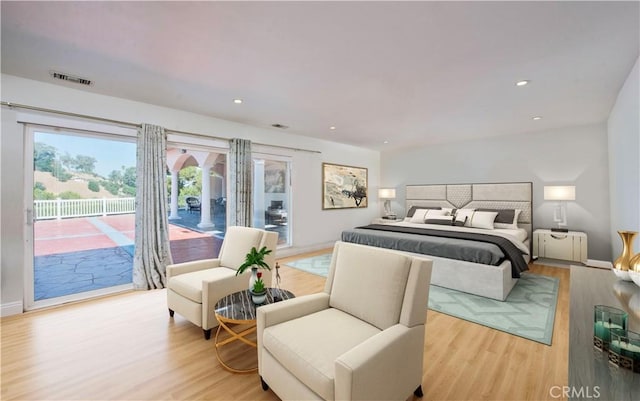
125,347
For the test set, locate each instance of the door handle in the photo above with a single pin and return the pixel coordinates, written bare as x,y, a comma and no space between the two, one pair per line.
30,217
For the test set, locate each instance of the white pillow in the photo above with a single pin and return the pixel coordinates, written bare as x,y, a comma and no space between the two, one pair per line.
513,225
419,215
483,219
464,215
435,213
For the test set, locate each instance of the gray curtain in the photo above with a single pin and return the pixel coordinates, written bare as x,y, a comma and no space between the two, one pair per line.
152,252
240,205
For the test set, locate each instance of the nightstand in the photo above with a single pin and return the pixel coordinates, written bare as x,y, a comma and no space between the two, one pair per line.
570,246
380,220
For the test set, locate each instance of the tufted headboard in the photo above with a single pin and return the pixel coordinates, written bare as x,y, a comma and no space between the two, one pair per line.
513,195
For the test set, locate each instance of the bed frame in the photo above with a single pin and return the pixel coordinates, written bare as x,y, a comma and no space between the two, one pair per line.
484,280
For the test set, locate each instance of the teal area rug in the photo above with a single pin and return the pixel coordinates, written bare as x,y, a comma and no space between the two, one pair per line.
528,312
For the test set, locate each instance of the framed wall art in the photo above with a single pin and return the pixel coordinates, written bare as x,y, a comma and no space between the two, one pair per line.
343,187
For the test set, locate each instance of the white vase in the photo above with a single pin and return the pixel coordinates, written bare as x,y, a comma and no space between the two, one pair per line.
253,277
258,298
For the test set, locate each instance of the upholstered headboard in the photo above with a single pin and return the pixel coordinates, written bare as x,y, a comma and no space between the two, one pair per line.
513,195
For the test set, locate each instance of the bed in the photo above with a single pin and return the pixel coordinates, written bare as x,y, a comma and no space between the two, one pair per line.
478,235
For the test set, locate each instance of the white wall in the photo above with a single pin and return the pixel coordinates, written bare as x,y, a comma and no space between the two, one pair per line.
573,156
312,227
624,161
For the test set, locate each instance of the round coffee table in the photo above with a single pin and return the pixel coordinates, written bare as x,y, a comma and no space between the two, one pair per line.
238,308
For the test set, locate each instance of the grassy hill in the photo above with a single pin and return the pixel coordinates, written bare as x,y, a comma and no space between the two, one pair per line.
79,184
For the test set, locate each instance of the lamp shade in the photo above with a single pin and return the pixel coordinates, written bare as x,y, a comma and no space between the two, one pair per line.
560,193
387,193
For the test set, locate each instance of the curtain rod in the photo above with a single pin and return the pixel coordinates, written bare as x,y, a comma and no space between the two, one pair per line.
130,124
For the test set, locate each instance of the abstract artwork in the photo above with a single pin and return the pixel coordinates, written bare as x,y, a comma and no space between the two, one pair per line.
343,187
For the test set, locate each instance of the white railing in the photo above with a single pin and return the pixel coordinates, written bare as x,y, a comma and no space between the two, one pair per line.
61,208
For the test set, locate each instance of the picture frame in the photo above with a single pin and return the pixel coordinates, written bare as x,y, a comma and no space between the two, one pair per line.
344,187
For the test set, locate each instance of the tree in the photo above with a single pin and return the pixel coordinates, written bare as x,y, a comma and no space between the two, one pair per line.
44,157
129,177
86,164
68,161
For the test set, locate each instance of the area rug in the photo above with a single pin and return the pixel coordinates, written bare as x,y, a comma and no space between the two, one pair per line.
528,312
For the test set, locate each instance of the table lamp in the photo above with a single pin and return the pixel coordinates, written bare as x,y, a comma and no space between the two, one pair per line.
560,194
387,194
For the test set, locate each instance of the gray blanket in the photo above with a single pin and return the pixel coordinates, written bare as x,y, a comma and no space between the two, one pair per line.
470,247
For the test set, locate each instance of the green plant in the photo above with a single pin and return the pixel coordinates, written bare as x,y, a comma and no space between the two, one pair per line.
258,286
93,186
254,258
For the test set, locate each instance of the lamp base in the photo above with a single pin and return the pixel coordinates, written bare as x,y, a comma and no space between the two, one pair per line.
560,230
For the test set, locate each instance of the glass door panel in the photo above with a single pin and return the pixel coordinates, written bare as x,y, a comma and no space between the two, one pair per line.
83,208
272,197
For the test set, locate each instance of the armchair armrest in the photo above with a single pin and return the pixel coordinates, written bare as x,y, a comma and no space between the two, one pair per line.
188,267
272,314
383,366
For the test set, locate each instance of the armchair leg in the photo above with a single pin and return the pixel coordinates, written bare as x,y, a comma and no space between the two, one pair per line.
207,334
171,312
265,386
418,392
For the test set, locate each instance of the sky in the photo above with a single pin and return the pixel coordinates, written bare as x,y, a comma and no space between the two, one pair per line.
110,155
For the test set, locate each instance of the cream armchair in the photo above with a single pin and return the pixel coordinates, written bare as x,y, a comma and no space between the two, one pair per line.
360,339
193,288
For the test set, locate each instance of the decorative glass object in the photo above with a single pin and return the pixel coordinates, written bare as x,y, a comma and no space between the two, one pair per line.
622,263
605,319
624,349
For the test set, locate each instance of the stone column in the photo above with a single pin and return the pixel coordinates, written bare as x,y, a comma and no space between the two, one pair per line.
205,200
174,195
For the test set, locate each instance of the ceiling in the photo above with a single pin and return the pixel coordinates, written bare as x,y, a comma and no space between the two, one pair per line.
410,73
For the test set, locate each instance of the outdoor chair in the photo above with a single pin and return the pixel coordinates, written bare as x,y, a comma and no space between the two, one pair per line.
193,288
193,204
360,339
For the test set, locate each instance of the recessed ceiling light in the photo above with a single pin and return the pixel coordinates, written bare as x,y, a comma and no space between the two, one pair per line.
536,118
237,101
385,142
332,128
523,82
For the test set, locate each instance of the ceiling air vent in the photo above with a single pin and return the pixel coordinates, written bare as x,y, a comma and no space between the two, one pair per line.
281,126
70,78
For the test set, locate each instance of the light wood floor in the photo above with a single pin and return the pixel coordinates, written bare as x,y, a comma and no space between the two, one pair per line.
125,347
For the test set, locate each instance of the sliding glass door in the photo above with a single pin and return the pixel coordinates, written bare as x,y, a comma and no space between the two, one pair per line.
80,194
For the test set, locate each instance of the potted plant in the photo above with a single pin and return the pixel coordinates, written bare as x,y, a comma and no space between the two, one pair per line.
254,260
258,291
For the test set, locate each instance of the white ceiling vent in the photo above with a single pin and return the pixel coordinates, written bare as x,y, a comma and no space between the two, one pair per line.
70,78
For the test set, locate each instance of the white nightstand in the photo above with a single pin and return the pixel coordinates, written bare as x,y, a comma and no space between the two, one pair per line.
571,246
380,220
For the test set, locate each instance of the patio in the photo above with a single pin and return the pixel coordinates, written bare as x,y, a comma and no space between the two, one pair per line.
88,253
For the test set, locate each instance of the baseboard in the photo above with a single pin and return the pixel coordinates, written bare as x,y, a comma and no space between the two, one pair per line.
284,253
602,264
11,308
